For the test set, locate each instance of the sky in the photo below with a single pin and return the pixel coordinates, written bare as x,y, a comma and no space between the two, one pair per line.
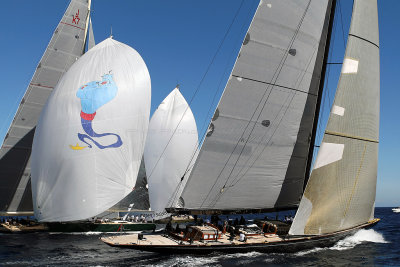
195,44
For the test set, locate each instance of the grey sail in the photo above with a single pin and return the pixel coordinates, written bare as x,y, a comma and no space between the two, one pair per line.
256,150
91,42
65,46
340,193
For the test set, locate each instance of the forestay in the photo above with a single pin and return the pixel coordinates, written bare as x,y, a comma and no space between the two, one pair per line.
256,149
89,141
65,47
170,146
341,191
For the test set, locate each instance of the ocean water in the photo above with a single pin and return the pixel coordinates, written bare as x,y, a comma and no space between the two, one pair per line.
378,246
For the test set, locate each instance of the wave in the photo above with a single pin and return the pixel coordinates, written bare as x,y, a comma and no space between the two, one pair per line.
361,236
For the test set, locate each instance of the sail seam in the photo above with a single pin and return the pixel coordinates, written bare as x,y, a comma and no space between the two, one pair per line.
290,88
351,136
42,86
368,41
72,25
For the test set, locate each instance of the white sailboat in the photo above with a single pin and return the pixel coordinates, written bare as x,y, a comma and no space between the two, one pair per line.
171,143
257,154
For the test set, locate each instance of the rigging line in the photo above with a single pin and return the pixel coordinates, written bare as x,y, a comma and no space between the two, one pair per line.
341,18
198,87
291,43
215,94
276,73
299,80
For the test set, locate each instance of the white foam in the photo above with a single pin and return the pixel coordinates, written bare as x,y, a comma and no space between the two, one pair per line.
350,242
359,237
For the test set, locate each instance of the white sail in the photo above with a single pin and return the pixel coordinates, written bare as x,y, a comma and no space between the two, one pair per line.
89,141
341,191
65,46
171,142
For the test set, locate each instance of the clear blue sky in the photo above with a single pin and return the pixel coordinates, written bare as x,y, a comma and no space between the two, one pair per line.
178,40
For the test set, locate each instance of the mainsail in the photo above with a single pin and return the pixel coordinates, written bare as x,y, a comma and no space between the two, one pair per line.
171,142
256,150
65,47
89,141
340,193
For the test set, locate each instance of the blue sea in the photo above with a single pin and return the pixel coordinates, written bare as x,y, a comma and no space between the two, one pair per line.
378,246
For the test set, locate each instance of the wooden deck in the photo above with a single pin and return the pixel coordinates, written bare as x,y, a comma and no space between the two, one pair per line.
162,240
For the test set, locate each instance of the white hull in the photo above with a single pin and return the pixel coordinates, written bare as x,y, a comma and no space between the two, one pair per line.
396,210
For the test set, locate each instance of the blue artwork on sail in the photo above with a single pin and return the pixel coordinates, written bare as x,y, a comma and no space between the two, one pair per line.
94,95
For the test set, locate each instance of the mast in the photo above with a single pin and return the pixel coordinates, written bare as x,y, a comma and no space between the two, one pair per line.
65,46
340,193
320,94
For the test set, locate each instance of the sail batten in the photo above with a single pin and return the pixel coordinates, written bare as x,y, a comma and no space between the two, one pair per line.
65,46
273,84
340,193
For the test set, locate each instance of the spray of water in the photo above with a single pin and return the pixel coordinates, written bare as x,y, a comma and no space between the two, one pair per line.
358,238
350,242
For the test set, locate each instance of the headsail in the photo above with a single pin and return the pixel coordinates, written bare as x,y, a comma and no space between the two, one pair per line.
341,191
89,141
66,45
170,146
256,149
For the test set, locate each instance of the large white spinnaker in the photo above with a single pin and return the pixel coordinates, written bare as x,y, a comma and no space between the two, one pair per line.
170,146
90,137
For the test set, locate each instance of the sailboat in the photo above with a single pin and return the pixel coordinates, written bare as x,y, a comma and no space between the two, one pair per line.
66,45
257,154
171,143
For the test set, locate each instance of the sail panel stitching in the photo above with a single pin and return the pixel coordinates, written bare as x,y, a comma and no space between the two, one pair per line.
72,25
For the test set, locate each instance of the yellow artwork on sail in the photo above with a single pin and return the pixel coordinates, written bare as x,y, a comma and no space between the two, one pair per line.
77,147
